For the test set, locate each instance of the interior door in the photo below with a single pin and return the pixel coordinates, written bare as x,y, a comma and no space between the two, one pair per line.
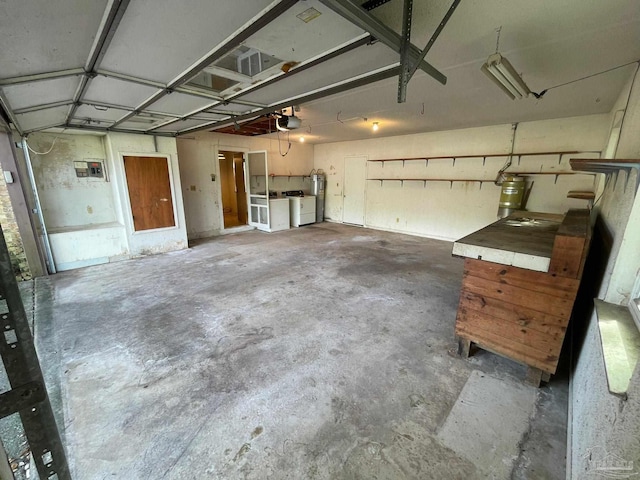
355,177
257,180
149,188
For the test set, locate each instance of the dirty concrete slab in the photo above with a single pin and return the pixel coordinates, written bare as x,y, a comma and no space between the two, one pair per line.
475,426
319,352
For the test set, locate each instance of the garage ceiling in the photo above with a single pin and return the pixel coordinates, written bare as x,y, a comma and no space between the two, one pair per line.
168,68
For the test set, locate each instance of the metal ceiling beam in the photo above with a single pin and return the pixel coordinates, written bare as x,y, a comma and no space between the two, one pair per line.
379,30
435,35
403,78
107,105
37,77
37,108
4,103
130,78
218,53
334,90
117,130
39,129
118,8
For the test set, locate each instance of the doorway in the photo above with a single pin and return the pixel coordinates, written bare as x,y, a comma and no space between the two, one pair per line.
232,189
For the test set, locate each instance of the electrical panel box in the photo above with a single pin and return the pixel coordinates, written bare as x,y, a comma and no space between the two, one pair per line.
89,169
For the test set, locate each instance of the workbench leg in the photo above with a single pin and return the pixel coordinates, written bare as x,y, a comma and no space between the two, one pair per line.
535,376
464,347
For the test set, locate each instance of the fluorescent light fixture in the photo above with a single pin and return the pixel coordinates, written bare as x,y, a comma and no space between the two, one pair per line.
502,73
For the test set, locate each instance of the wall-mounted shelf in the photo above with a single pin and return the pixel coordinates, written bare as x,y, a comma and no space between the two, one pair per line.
581,195
484,157
556,174
425,180
608,167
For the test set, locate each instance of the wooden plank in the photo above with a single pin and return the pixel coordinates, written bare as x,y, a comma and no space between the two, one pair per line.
566,260
464,347
576,223
513,334
570,244
534,376
581,194
523,278
522,316
560,307
495,343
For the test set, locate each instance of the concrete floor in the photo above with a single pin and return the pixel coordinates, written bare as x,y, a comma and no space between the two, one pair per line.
314,353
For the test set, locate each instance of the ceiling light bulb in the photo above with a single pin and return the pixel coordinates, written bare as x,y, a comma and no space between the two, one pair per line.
375,126
301,139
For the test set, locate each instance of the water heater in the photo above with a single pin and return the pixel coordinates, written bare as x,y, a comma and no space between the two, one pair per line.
317,189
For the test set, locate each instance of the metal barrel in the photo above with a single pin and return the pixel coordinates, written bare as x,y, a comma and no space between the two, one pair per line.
511,196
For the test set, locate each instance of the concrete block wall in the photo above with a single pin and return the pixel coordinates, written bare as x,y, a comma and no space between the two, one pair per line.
605,426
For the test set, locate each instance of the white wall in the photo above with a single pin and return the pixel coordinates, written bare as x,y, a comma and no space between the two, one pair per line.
198,160
89,219
148,241
603,423
445,211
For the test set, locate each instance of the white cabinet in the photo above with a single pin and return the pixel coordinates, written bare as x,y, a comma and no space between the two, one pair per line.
278,215
302,210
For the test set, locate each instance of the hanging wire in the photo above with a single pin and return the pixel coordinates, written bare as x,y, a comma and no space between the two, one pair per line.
539,95
498,31
280,144
42,153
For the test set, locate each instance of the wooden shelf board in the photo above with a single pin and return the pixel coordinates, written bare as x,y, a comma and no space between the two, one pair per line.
582,195
481,155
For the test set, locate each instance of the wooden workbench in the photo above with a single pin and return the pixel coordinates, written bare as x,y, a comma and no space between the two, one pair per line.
521,277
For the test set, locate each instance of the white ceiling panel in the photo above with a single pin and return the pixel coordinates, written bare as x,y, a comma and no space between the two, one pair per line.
159,39
292,40
42,118
99,113
117,92
40,37
180,104
181,125
359,61
39,93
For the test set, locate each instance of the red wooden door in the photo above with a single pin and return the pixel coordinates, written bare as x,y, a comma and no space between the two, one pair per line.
149,192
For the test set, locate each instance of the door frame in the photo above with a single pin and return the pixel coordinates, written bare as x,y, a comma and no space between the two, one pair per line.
128,213
247,180
216,164
364,192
